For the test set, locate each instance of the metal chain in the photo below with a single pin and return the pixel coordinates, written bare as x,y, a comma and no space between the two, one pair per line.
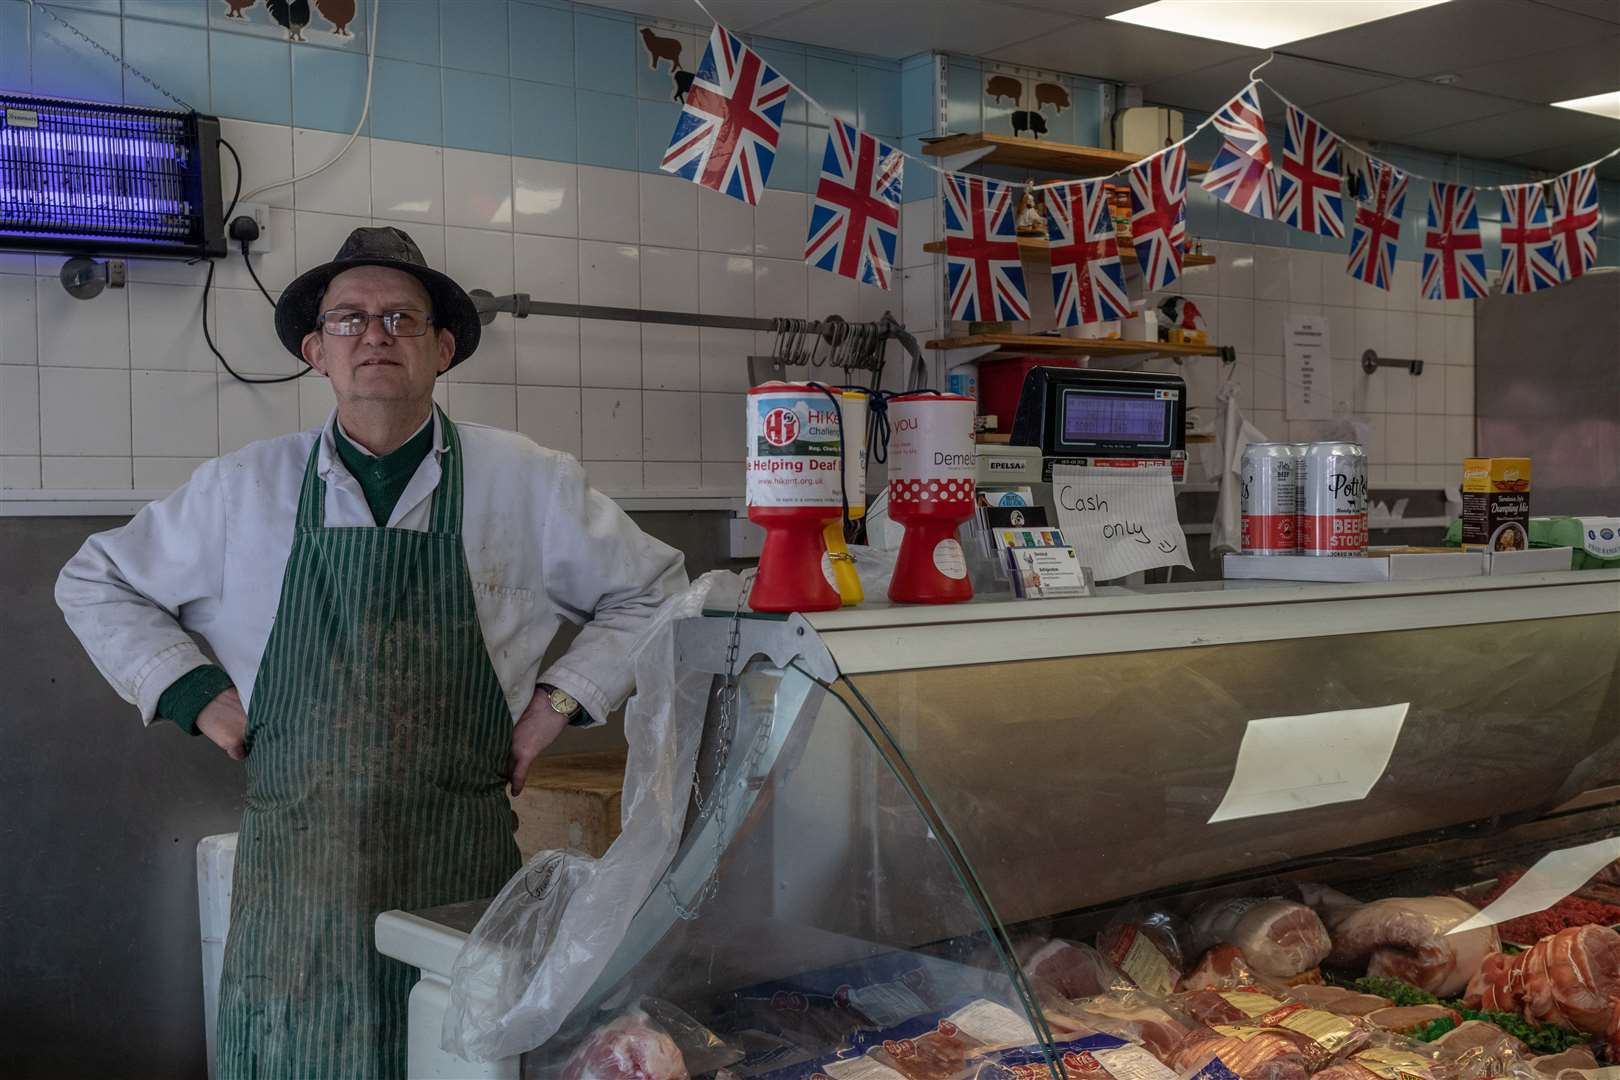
99,47
725,732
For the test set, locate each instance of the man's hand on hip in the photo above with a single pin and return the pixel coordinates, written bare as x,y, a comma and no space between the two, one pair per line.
536,729
225,721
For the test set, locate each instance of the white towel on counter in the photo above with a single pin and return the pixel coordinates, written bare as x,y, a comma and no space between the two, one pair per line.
1236,433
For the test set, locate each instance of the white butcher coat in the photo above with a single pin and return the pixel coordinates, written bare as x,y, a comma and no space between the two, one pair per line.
542,546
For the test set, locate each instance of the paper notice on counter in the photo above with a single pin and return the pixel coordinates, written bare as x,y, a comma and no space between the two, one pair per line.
1119,520
1296,762
1554,876
1307,368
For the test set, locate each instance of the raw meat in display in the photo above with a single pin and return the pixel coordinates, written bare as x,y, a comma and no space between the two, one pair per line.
1408,1018
1278,937
1476,1049
1220,968
1261,1056
1336,999
1133,1017
1226,1007
1571,978
1075,971
630,1048
1405,938
1570,911
1147,946
1550,1065
1346,1070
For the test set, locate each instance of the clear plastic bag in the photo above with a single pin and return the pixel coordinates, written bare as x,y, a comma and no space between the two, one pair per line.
1150,945
541,944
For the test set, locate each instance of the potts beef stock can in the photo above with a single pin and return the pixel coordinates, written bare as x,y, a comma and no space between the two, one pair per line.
1333,499
1269,476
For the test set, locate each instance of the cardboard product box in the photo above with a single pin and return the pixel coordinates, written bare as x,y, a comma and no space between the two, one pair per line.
1496,504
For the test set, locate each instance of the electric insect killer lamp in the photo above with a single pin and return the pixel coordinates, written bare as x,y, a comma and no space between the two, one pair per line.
795,491
931,466
82,177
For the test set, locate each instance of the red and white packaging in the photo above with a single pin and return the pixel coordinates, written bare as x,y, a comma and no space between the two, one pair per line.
1333,499
1269,499
932,461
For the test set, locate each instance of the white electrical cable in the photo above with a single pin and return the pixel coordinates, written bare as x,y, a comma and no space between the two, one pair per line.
365,108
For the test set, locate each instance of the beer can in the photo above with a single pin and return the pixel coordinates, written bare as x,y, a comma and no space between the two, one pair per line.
1269,499
1333,490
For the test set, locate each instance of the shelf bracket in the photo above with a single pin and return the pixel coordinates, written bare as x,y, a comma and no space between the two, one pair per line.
1371,362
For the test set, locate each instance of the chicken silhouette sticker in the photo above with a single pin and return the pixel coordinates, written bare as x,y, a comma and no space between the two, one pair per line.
292,17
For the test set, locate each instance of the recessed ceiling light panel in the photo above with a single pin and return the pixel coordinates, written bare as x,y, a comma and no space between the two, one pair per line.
1264,24
1598,104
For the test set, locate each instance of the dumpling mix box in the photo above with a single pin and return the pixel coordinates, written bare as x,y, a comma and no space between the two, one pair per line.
1496,504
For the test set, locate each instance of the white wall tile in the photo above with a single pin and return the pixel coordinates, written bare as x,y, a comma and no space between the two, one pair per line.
723,476
83,411
919,221
19,473
1267,374
669,279
1369,332
545,197
614,477
407,182
483,403
919,297
266,151
726,284
1459,439
480,258
1370,391
174,413
165,328
724,224
82,333
19,410
1429,397
1271,269
781,221
1349,385
672,475
609,204
1397,475
1400,334
1194,280
1338,287
550,415
609,274
345,187
548,267
724,427
1235,271
1431,440
1368,296
315,400
669,216
1433,475
1271,423
548,351
495,359
1459,391
724,355
871,301
1400,395
1236,324
164,473
1269,316
1375,441
612,423
670,426
1459,340
1403,286
19,327
670,357
275,268
477,189
781,287
609,355
246,335
830,295
86,473
248,413
1431,338
318,236
175,272
1305,278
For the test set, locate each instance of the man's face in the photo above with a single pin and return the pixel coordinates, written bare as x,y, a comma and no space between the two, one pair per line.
376,365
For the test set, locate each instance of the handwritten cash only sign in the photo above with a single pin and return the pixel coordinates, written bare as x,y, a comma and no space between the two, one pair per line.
1121,520
792,449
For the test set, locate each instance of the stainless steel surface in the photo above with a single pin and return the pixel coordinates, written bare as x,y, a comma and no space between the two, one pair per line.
1547,387
1371,362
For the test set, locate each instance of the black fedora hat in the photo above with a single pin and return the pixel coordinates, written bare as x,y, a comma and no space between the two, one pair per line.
299,307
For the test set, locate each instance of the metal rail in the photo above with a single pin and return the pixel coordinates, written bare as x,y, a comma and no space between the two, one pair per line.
1371,362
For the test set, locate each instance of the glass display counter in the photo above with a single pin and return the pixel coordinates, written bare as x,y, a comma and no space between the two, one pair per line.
1014,840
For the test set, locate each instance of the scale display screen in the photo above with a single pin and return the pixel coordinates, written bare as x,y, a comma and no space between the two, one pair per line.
1089,417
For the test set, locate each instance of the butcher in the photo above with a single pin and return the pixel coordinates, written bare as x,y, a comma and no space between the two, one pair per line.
378,592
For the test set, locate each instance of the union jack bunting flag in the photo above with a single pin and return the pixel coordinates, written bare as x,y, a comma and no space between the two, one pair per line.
728,129
1574,222
1377,228
1088,283
1241,181
855,222
984,280
1453,250
1240,123
1528,261
1308,191
1159,216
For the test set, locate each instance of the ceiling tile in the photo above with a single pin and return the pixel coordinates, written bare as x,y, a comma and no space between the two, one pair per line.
1118,51
1518,132
1578,70
1391,112
898,28
1304,82
1608,10
1446,37
1557,159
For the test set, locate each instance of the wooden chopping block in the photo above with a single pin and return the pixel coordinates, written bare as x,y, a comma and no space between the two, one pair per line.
570,801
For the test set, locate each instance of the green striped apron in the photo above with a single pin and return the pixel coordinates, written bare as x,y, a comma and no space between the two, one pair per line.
378,739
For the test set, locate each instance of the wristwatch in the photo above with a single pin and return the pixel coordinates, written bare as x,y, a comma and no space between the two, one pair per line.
564,704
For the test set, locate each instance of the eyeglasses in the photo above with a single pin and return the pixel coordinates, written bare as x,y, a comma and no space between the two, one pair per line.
346,322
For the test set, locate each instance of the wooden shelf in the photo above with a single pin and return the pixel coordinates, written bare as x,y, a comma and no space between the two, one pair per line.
1037,343
1036,248
1079,161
